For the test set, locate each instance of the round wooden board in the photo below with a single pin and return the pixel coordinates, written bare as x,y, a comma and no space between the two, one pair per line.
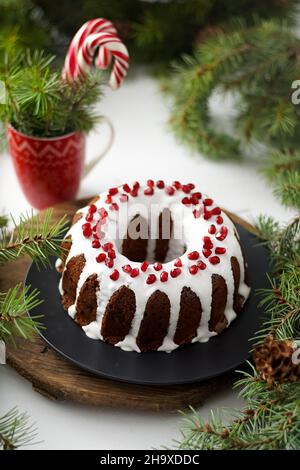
56,378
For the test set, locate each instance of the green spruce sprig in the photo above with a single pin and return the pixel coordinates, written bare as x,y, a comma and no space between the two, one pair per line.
36,236
39,102
256,64
16,431
14,305
271,420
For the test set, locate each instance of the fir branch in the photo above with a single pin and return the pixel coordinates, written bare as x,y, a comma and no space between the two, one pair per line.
282,302
284,169
14,305
257,64
39,103
270,421
34,236
15,430
288,188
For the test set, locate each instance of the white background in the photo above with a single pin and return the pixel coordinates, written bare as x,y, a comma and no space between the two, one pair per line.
143,148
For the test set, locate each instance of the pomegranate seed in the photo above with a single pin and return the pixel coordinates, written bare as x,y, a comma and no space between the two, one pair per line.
103,213
111,254
96,244
170,191
176,184
108,199
222,234
144,266
95,235
207,215
126,188
196,213
194,200
149,191
113,191
164,276
134,192
150,183
193,255
219,220
127,268
201,265
123,198
175,272
186,201
109,263
220,250
216,211
87,230
136,185
107,246
114,206
206,252
89,217
191,186
214,260
212,229
178,263
157,266
135,272
193,269
92,209
151,279
197,195
100,258
160,184
186,189
208,202
208,245
115,275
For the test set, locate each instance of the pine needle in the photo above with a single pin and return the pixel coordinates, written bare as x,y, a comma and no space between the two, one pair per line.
36,236
15,430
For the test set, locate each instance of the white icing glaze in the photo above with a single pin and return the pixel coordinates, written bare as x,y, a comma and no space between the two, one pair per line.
200,283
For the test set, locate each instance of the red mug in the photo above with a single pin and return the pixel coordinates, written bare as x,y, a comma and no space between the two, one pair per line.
49,169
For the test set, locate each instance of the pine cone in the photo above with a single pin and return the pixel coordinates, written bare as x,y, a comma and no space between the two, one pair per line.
273,360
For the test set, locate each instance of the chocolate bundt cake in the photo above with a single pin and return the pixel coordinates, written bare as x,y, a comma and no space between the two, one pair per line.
152,267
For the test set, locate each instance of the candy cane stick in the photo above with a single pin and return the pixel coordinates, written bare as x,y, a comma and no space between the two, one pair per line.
107,43
90,27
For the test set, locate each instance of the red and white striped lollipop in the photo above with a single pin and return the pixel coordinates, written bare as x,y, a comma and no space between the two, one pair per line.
99,37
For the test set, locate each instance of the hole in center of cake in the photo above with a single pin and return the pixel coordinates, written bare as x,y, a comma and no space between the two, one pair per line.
152,240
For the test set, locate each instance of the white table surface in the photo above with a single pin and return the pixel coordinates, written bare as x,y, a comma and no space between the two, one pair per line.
143,148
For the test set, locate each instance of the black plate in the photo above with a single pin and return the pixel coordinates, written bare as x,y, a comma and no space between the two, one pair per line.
186,364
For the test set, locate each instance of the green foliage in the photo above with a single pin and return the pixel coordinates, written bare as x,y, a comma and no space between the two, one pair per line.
39,238
39,103
271,418
20,25
271,421
257,65
15,430
36,236
157,30
13,319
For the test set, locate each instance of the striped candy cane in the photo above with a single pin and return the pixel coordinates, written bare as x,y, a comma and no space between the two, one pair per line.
93,26
96,36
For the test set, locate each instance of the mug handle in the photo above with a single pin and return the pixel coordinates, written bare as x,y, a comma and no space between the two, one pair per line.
89,166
